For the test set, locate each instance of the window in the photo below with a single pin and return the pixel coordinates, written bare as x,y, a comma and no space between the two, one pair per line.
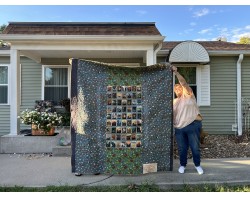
198,78
4,84
189,73
56,83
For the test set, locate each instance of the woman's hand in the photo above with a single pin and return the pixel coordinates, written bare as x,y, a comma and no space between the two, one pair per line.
174,69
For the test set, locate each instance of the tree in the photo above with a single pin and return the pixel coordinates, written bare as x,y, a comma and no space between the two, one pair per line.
2,43
2,27
244,40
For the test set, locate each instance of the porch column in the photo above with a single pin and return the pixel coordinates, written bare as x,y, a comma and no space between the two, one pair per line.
239,111
150,57
14,91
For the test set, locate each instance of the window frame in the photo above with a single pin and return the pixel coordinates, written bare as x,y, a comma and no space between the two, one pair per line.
56,66
198,81
8,83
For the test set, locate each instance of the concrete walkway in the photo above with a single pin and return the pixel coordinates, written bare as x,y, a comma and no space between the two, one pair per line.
44,170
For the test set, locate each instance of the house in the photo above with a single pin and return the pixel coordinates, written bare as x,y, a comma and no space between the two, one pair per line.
217,70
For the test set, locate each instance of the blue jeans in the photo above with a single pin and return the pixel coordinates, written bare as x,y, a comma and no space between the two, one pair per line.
189,136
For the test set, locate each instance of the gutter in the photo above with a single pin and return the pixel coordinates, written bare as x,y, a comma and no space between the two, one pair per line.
228,53
30,37
165,52
156,50
239,112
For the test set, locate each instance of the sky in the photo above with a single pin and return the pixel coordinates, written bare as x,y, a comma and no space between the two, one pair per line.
175,22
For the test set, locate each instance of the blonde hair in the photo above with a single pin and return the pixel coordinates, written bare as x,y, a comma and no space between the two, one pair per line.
177,86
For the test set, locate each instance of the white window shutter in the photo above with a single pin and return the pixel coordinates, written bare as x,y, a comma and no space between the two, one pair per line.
204,85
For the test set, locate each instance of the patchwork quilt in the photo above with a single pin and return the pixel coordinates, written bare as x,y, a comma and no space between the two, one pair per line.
121,118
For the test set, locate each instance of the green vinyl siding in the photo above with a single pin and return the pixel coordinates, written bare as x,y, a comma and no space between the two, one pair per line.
4,109
245,92
4,119
31,80
245,78
220,115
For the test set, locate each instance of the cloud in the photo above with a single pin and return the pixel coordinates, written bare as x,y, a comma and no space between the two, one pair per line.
234,34
225,32
201,13
204,31
236,37
236,31
214,39
200,39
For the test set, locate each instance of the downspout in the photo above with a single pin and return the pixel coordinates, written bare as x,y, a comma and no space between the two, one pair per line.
156,50
239,112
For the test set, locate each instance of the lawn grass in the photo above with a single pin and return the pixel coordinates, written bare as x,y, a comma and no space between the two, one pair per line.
146,187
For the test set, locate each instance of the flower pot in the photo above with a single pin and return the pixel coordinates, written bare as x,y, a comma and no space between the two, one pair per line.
35,131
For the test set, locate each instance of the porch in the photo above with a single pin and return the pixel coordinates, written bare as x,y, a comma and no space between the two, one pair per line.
28,144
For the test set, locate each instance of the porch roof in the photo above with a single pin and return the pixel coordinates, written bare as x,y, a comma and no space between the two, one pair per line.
38,40
80,28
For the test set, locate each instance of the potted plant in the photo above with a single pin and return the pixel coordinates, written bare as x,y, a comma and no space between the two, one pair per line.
65,103
42,123
65,134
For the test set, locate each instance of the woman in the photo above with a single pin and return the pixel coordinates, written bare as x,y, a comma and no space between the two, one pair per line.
187,123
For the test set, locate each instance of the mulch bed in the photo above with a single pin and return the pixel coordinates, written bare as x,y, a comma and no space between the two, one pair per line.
222,146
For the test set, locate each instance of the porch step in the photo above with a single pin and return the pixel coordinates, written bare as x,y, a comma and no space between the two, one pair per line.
62,151
27,144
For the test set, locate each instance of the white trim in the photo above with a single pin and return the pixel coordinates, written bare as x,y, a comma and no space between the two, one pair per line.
32,56
20,84
14,92
198,81
69,80
57,66
78,45
8,84
150,57
239,111
42,82
156,50
205,85
189,51
126,64
4,52
103,38
229,53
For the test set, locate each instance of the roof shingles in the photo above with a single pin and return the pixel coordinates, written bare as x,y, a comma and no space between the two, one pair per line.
82,29
211,45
